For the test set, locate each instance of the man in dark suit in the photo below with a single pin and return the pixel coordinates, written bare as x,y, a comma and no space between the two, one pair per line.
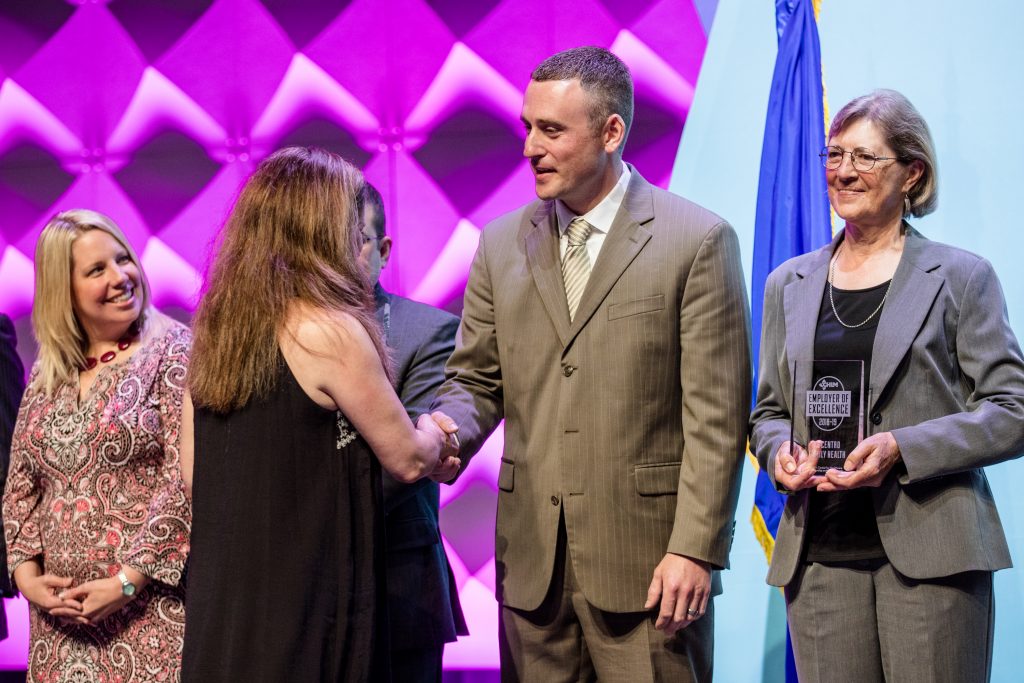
423,601
607,324
12,384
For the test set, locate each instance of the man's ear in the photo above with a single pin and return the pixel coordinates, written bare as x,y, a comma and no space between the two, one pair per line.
384,246
614,133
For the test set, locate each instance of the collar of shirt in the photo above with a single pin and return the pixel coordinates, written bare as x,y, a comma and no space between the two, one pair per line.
601,216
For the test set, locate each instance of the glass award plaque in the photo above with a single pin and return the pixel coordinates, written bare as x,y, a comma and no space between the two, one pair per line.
828,400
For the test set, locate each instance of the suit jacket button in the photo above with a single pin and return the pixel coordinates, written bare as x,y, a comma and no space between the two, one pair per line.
554,500
567,370
876,418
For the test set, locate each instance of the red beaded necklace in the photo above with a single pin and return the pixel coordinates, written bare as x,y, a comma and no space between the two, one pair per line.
122,344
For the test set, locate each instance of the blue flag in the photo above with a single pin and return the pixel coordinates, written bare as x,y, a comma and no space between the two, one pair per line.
793,214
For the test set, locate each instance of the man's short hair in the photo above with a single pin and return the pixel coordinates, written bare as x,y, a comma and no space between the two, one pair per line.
601,74
371,197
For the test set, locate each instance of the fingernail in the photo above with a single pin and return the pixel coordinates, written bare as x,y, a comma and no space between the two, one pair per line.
790,467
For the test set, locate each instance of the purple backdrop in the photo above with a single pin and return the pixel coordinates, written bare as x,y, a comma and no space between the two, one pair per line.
154,112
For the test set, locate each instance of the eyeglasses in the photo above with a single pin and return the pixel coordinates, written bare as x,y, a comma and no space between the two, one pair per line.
365,239
832,158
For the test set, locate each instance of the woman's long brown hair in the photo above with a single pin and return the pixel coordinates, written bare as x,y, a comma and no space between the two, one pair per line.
293,236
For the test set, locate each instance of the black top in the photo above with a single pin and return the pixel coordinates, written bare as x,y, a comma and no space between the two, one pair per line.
841,525
285,581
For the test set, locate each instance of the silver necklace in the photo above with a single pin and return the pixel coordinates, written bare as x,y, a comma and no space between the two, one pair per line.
831,300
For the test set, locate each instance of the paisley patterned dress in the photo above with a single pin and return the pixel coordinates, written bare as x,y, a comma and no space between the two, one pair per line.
94,486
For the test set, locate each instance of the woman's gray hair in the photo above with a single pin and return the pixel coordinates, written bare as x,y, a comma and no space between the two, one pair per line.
906,132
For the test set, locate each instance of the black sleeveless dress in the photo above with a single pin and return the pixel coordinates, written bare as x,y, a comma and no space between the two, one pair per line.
285,579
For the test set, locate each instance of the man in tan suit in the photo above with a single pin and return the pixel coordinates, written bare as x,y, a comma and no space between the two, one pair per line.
616,349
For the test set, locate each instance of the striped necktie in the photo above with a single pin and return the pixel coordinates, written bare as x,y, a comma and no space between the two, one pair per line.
576,263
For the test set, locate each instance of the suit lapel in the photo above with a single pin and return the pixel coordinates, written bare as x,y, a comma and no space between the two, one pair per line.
542,255
802,303
624,241
381,298
914,288
382,311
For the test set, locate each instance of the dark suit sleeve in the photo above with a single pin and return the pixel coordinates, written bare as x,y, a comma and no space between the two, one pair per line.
12,385
420,382
426,371
991,429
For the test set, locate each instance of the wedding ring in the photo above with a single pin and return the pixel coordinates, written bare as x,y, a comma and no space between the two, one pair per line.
692,613
455,440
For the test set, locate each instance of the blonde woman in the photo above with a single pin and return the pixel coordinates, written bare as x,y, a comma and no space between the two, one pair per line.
95,513
294,415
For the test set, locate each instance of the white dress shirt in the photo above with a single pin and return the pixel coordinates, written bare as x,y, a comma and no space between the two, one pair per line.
601,217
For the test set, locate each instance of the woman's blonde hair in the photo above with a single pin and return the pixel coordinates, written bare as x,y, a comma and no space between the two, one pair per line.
293,236
62,339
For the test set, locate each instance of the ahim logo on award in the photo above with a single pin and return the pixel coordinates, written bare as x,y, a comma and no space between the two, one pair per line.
828,403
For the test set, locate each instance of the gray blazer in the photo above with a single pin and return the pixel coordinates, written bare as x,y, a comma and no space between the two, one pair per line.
423,598
947,380
631,419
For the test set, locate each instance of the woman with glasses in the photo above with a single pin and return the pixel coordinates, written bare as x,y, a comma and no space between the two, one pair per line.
887,557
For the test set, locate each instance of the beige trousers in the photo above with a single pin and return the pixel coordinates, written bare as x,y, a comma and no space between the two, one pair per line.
569,640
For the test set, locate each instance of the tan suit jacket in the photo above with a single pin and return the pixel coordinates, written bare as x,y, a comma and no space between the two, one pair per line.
631,419
947,379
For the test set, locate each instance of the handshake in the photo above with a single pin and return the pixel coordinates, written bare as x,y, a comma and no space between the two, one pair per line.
445,432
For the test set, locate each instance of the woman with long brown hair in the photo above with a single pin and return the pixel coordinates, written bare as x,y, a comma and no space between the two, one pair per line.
290,383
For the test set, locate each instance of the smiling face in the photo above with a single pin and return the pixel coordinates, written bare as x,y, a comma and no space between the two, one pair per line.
105,285
571,159
869,198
